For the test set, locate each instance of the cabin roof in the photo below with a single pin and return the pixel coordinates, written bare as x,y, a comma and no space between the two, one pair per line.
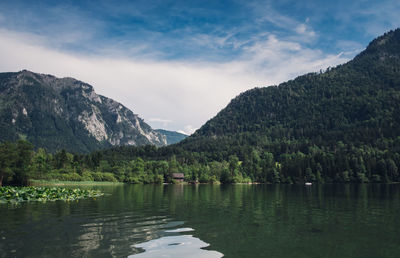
178,175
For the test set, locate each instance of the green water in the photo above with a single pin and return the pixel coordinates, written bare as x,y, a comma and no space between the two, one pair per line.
234,221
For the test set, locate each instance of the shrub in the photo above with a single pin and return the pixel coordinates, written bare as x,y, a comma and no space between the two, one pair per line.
87,176
109,177
97,176
71,177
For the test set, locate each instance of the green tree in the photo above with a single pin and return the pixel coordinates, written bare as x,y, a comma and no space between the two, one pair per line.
382,170
8,155
24,151
309,177
40,163
392,170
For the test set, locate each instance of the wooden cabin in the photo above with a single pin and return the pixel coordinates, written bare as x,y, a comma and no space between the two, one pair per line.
178,177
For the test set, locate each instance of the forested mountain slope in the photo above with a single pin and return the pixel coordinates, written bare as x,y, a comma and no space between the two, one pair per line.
338,123
357,101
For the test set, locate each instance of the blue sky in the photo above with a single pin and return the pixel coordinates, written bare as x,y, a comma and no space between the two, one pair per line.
177,63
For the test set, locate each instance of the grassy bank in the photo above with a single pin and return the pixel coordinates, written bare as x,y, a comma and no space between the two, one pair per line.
35,182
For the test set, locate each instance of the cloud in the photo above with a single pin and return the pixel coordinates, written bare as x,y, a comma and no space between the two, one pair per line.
382,16
178,91
371,18
159,122
279,60
267,13
349,48
302,29
165,121
182,95
188,130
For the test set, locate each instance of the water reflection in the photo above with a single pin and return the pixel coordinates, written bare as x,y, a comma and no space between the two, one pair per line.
180,246
236,220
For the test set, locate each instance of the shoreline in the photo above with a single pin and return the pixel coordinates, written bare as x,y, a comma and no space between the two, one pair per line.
35,182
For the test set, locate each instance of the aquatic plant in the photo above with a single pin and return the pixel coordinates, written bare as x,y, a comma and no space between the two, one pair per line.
9,194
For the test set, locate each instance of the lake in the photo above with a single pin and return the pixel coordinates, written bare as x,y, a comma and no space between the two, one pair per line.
209,221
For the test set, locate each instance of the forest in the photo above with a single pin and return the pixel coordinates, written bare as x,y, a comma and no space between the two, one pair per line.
342,163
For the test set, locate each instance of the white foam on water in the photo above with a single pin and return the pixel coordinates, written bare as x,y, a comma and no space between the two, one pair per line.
182,246
178,230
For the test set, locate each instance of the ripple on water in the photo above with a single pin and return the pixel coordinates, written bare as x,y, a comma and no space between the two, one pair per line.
178,230
176,246
116,230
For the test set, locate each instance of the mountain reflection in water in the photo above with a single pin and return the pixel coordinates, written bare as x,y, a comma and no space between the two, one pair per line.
328,220
176,246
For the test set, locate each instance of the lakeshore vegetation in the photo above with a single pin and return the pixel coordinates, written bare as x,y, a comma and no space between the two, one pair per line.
9,194
346,163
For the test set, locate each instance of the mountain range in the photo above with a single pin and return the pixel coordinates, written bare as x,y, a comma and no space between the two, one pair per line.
64,113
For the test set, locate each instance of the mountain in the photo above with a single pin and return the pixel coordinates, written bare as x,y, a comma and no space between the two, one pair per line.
339,124
356,101
172,136
67,114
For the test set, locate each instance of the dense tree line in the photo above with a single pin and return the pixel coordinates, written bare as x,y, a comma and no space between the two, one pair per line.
279,161
264,162
19,163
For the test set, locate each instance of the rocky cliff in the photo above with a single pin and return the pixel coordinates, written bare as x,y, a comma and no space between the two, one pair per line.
67,114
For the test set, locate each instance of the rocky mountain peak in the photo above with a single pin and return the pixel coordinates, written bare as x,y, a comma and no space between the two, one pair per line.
66,113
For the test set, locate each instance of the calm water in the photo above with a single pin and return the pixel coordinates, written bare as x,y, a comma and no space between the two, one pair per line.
210,221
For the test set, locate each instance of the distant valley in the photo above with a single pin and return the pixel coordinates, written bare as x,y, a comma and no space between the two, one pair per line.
171,136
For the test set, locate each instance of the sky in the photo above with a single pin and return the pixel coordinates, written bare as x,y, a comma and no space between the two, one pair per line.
178,63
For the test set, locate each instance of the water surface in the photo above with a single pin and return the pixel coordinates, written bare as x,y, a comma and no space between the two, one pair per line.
209,221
